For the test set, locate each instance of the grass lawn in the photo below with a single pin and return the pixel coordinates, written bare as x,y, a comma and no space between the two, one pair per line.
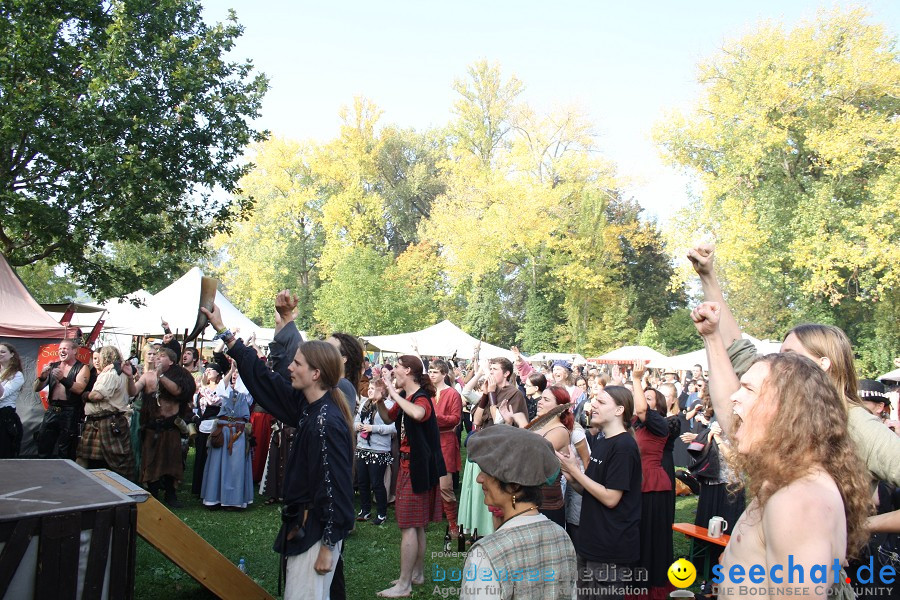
371,554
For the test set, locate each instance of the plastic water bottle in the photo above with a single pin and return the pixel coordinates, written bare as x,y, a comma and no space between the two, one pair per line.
242,566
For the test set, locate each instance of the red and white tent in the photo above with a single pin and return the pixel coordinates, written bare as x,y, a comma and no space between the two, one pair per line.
31,330
20,315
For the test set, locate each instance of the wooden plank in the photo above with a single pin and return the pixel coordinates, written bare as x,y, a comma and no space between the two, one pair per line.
14,550
119,567
132,548
97,555
181,544
69,551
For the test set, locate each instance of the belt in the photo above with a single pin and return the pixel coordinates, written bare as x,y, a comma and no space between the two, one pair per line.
404,456
101,417
62,404
59,409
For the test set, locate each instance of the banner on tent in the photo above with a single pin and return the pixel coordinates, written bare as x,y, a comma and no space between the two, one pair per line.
49,353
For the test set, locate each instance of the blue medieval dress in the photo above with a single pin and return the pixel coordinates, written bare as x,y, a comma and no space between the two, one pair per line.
228,476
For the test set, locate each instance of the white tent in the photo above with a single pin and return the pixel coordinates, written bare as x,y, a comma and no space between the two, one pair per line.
684,362
123,317
628,354
892,376
178,305
443,339
575,359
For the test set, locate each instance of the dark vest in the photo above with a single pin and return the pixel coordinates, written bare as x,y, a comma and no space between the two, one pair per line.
426,462
69,382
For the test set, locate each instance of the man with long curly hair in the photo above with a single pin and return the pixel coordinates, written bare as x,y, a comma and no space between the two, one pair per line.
809,488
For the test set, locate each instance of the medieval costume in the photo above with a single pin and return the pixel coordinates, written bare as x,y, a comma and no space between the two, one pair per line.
421,465
318,484
106,438
161,460
60,423
228,478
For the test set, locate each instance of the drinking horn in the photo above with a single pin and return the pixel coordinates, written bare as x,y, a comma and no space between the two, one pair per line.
208,287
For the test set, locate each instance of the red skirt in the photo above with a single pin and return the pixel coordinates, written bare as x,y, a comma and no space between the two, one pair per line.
261,432
411,509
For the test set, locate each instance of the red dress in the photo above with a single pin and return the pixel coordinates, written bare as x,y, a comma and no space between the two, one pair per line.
411,509
448,412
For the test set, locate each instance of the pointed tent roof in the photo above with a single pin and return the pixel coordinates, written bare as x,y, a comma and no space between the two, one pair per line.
179,303
20,315
628,354
442,339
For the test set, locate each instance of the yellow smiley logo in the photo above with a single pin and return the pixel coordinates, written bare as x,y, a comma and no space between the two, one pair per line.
682,573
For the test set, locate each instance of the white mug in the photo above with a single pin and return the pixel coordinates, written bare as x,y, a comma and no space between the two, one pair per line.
717,526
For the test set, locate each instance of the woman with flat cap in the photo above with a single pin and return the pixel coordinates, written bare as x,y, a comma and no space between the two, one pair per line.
528,556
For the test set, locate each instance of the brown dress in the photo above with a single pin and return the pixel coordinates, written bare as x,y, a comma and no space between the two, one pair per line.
161,438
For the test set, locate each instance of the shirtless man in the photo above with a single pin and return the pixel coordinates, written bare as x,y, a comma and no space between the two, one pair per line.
167,394
810,496
66,380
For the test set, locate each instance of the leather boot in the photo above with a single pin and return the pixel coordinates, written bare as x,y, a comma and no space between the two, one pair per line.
171,498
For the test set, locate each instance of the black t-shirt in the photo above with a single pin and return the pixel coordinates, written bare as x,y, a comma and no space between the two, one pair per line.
612,535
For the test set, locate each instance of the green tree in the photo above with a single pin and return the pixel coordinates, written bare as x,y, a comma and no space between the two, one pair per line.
45,284
650,337
278,243
678,334
795,139
118,120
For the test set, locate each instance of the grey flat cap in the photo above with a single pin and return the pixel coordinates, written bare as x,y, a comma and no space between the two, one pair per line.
514,455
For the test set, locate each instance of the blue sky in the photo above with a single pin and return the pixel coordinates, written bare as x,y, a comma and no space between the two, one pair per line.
624,63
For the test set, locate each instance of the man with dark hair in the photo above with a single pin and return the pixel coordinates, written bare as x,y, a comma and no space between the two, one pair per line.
503,402
65,379
161,461
190,359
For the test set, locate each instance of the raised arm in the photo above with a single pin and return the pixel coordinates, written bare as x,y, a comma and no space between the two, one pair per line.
702,259
723,381
272,391
637,390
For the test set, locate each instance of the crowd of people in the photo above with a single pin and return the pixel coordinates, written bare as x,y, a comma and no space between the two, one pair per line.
572,469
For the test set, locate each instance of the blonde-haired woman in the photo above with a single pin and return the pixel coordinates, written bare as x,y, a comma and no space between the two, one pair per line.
106,439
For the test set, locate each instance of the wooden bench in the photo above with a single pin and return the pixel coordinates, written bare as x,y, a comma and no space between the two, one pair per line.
700,551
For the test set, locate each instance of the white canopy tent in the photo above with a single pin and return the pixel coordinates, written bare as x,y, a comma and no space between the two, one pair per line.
442,339
575,359
891,376
684,362
123,317
179,303
628,354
